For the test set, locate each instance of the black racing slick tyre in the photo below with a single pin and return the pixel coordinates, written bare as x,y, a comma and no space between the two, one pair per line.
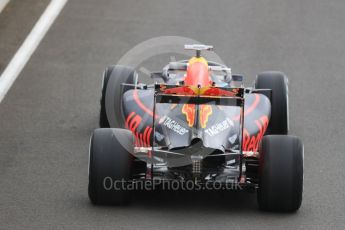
280,173
110,166
277,82
113,77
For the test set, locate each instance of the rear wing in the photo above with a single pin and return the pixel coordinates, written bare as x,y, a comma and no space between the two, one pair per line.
175,94
218,96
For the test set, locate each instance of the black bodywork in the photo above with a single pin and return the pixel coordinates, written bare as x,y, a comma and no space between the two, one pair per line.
223,146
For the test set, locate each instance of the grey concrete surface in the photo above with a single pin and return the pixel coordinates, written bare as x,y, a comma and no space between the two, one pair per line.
16,21
48,115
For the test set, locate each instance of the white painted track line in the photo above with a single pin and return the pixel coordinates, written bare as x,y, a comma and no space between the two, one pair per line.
29,46
3,3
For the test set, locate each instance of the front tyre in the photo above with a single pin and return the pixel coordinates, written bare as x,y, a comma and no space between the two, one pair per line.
113,78
277,82
280,173
110,166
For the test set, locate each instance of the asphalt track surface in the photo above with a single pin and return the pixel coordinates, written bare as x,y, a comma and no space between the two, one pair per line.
52,108
16,21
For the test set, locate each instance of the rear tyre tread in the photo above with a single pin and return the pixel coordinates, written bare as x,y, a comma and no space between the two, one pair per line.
280,173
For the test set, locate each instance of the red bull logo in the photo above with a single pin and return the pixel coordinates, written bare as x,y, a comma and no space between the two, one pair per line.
204,113
189,111
251,143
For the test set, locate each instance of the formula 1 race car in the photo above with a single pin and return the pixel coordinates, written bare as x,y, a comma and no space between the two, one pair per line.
196,125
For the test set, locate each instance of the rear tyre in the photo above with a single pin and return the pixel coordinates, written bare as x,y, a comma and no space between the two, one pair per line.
110,166
277,82
115,75
280,173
